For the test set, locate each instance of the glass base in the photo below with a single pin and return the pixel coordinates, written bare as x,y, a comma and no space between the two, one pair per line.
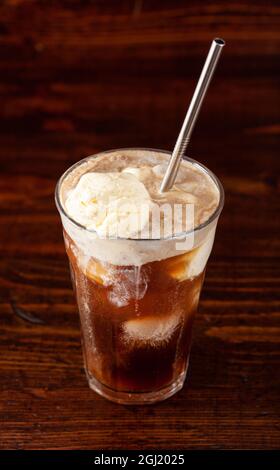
136,398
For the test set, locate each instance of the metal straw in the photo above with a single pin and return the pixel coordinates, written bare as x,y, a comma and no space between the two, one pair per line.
191,116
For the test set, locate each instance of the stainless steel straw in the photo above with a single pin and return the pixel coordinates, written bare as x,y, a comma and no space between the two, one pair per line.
191,116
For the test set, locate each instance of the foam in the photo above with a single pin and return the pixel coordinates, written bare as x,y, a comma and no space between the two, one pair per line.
147,167
132,170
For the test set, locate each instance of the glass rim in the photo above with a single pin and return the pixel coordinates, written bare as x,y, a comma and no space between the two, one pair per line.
206,170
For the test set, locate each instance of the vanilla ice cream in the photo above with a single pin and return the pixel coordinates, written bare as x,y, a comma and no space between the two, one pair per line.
109,200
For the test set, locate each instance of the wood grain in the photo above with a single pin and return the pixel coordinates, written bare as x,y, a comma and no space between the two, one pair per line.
78,77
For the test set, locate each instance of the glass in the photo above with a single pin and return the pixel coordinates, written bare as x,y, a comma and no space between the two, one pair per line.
136,321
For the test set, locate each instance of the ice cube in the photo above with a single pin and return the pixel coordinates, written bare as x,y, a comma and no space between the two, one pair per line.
150,330
99,273
130,284
193,263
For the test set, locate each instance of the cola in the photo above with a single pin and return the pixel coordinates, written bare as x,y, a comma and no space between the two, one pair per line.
136,298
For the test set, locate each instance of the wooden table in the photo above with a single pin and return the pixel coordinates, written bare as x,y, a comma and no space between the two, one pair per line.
79,77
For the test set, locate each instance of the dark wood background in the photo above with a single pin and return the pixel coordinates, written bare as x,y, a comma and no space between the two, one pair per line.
77,77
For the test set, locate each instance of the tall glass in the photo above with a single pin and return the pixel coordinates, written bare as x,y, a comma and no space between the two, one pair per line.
136,320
